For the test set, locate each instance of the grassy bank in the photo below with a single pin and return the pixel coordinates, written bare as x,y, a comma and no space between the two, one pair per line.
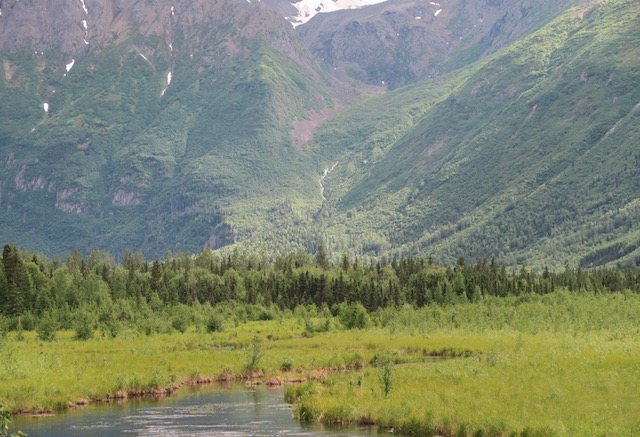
527,384
561,364
39,376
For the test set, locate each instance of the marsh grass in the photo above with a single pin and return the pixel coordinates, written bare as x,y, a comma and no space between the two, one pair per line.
38,375
542,384
563,370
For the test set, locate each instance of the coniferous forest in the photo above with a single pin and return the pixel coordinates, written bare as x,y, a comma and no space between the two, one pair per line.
95,293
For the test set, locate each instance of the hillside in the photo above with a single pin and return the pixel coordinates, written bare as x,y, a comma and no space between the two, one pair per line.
530,155
398,42
167,121
504,128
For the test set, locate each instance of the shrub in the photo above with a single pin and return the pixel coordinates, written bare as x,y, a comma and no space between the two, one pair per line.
386,379
180,324
84,325
215,324
309,327
287,365
110,328
354,316
182,316
5,421
47,327
3,327
19,330
254,355
28,321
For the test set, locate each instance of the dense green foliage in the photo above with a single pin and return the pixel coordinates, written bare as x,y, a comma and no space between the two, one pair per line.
539,351
529,155
121,155
5,421
90,293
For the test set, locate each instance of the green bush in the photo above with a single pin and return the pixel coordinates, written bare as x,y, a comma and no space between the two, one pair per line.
354,316
287,365
5,421
84,325
180,324
3,327
386,379
215,324
254,355
47,327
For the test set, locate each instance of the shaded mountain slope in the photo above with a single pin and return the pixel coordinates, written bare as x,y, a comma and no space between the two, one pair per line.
531,155
173,126
398,42
146,136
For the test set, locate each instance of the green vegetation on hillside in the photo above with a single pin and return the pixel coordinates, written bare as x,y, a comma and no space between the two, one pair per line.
122,156
528,156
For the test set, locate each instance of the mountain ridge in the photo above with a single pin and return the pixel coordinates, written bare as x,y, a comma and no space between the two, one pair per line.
465,172
210,124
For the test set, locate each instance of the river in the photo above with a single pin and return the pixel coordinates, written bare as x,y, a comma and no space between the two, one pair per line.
204,411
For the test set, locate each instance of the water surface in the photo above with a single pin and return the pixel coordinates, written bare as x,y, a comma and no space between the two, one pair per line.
206,411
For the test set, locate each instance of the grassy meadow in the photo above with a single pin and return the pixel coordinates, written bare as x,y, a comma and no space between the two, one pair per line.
560,364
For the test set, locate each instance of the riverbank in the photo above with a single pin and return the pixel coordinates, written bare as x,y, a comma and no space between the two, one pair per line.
558,365
565,384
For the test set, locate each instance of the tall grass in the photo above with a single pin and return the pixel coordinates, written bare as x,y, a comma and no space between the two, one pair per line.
540,384
562,364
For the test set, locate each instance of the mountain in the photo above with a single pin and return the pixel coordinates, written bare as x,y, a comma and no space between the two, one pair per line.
400,41
141,124
503,128
529,155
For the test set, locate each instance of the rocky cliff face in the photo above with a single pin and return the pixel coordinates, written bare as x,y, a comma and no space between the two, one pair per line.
69,29
399,42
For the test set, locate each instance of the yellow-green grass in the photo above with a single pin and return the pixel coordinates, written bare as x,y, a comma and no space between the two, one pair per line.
542,384
46,376
550,382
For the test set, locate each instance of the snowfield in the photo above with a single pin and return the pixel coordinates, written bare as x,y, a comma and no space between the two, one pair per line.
308,8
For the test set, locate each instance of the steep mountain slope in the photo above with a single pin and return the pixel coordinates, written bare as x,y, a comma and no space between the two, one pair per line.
142,124
530,156
172,126
399,41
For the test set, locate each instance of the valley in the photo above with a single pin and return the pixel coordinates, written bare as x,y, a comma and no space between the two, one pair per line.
420,216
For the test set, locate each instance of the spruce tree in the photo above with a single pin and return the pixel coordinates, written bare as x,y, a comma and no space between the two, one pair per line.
17,281
4,288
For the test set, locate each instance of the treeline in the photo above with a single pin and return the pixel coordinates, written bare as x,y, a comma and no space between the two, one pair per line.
34,288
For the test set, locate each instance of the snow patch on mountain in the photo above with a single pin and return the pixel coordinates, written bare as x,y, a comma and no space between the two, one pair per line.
307,9
169,77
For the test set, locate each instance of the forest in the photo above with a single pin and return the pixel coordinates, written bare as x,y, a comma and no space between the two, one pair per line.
89,293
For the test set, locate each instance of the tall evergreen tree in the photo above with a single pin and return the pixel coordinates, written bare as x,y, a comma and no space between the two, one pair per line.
17,281
322,259
4,289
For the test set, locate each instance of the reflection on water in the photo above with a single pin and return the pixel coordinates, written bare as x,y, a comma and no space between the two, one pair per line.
208,411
